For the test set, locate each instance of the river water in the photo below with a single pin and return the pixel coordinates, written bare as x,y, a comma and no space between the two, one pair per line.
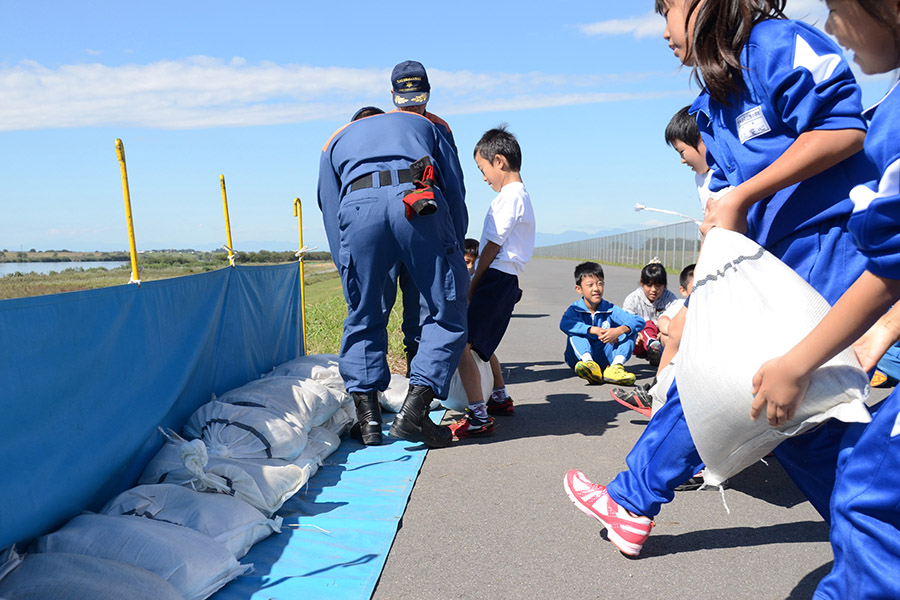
48,267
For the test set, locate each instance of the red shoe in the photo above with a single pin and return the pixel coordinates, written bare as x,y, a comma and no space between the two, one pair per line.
636,399
628,533
501,409
472,426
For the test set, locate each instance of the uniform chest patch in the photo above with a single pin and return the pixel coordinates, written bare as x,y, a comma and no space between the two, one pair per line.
752,124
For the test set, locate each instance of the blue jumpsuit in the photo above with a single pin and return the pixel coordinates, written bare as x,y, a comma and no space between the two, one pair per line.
415,307
368,233
578,319
865,509
795,81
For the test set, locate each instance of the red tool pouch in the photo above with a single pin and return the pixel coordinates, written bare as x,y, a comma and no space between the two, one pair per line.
420,201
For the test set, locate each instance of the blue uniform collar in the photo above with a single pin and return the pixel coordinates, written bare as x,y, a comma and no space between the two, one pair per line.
604,307
870,112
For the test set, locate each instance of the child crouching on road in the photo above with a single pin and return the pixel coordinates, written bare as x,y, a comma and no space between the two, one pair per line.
601,336
507,241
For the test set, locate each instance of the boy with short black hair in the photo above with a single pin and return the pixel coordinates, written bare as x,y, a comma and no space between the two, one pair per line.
507,241
685,284
601,336
649,301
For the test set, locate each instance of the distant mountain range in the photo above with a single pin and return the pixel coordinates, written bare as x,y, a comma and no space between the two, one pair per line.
551,239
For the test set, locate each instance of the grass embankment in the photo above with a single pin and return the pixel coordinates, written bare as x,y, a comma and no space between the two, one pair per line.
325,306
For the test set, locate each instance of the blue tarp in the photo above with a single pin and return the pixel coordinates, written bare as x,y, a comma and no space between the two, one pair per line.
86,378
337,532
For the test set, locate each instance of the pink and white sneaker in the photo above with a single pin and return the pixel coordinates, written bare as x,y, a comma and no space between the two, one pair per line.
627,532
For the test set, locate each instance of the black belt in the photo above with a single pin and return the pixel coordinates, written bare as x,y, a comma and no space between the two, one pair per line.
384,179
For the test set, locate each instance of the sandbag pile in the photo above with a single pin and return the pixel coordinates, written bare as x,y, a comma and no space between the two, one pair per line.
202,502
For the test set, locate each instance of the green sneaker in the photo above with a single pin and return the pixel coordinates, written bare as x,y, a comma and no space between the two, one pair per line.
590,371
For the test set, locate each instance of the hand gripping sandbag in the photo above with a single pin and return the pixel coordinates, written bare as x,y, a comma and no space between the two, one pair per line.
64,576
747,307
194,563
234,431
226,519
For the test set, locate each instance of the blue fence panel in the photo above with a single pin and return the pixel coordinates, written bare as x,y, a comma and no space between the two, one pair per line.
87,377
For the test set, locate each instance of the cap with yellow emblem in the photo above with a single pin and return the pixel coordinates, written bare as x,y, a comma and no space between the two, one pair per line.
410,85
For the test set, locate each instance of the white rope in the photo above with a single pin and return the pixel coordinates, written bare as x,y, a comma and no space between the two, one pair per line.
231,254
302,251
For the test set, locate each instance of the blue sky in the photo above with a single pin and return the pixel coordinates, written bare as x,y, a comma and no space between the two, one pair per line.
253,90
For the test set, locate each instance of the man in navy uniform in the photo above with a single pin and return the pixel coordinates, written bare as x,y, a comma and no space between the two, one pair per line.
364,179
410,91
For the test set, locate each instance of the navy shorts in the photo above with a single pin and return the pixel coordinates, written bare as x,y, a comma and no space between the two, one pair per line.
490,310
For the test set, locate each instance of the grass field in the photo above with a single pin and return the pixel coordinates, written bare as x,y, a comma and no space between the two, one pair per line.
325,306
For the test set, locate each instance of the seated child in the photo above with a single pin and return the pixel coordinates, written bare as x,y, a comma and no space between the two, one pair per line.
507,242
649,301
685,283
600,334
470,253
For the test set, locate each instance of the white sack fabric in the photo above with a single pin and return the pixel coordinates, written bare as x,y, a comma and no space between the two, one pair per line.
748,307
63,576
456,397
226,519
322,443
195,564
234,431
304,402
322,368
262,483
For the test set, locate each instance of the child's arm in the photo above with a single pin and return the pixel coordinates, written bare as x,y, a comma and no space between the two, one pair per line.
781,383
811,153
570,324
876,341
487,256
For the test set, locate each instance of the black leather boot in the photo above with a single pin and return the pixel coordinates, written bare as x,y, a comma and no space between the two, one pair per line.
413,424
368,413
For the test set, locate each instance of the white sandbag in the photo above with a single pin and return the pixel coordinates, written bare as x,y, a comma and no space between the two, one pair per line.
234,431
64,576
342,420
322,444
264,483
194,563
392,398
456,398
660,389
9,560
319,367
226,519
304,402
748,307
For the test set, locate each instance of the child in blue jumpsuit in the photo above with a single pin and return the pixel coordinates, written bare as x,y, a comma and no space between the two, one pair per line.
865,507
363,177
785,131
588,321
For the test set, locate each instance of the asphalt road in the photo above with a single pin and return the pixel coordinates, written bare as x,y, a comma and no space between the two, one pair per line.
489,518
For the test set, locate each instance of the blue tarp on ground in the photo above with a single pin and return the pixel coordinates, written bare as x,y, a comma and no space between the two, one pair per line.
86,378
337,532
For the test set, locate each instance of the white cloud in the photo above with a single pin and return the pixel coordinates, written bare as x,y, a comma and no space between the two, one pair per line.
201,92
647,25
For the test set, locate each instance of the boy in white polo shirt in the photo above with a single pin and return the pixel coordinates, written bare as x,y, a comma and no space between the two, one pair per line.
507,241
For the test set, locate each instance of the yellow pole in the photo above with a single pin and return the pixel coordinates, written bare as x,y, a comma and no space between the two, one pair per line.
298,212
120,153
227,222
